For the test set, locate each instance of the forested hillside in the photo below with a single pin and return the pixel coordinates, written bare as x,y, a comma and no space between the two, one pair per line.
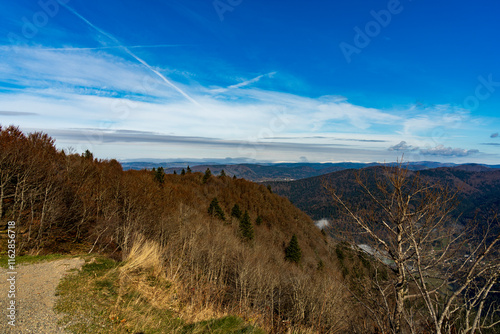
228,246
478,189
264,260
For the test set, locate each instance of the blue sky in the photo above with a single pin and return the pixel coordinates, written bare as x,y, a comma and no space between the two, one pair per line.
253,80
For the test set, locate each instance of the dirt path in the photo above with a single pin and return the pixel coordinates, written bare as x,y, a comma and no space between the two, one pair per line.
35,286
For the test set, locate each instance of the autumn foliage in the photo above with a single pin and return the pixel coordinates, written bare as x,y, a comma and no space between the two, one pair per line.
65,202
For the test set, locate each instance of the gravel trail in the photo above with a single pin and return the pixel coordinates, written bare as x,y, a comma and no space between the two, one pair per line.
35,286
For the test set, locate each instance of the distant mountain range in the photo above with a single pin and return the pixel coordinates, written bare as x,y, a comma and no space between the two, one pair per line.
283,171
478,189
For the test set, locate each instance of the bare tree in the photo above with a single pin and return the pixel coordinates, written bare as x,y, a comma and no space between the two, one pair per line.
11,157
408,227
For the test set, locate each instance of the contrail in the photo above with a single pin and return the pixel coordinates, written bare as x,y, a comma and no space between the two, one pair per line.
114,47
244,83
251,81
127,50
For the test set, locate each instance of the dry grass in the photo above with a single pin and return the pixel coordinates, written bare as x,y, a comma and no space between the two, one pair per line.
213,274
201,270
204,271
142,283
144,255
106,298
143,275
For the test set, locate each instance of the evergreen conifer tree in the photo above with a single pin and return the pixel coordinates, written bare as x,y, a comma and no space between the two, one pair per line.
236,211
183,172
188,170
222,173
293,252
215,210
160,175
234,177
258,221
207,175
175,172
88,155
246,227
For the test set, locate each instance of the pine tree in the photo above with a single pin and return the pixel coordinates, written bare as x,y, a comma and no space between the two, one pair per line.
188,170
88,155
207,175
222,173
236,211
234,177
175,172
258,221
246,227
293,252
160,175
183,172
215,210
269,188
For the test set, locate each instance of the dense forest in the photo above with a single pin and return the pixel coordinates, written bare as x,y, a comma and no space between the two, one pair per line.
64,202
477,187
234,246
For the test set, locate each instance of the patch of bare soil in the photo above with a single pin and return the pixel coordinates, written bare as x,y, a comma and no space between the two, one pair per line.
35,288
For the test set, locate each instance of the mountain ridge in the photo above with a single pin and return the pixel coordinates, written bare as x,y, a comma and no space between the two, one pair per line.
478,188
260,172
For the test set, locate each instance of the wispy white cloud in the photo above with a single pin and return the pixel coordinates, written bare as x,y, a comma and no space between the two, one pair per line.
358,116
422,120
113,47
94,89
133,55
33,68
244,83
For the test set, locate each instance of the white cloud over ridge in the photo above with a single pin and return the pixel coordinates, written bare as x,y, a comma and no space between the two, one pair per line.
441,150
403,146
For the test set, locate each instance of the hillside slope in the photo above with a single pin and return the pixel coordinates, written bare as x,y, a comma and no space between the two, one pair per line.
217,262
478,189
